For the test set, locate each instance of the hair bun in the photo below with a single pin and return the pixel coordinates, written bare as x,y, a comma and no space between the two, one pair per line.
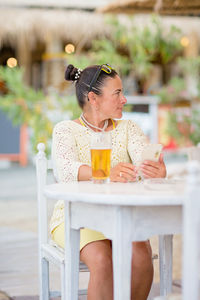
70,73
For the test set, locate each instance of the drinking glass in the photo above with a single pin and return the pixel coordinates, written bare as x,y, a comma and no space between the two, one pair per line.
101,156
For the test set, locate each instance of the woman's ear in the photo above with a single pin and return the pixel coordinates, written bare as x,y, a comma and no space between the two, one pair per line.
92,98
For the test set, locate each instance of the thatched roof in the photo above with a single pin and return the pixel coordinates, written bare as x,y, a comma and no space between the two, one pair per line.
163,7
42,24
78,27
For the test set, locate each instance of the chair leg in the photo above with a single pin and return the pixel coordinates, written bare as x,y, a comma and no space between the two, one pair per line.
165,261
63,281
44,280
72,257
155,256
191,251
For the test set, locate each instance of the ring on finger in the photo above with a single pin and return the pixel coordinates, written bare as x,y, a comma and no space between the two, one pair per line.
120,174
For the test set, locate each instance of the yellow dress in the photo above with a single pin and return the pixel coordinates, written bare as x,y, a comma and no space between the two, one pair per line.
71,149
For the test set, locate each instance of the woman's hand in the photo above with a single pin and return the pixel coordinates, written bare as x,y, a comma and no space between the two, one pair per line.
123,172
151,169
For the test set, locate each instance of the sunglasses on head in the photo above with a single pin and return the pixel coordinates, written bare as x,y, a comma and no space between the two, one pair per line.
106,68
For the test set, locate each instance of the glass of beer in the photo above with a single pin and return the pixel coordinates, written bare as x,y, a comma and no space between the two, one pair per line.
101,156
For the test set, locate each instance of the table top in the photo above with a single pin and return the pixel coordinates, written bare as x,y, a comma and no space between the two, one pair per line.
115,193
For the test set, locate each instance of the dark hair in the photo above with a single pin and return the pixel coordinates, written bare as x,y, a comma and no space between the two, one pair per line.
83,83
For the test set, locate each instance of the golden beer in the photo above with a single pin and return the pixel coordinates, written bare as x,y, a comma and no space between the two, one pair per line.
100,159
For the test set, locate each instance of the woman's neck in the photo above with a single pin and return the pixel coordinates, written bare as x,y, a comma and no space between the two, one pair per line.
94,120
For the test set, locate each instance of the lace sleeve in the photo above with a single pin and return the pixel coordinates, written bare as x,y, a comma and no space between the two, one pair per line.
64,153
136,142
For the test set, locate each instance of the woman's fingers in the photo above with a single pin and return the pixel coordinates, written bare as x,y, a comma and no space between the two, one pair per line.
161,158
148,173
149,163
123,172
125,177
153,169
122,178
128,172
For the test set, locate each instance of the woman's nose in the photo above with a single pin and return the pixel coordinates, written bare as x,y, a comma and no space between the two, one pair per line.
123,99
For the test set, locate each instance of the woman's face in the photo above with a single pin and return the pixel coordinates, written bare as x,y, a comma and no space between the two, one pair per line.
112,100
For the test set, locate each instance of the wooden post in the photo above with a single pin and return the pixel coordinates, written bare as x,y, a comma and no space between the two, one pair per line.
24,57
192,50
53,64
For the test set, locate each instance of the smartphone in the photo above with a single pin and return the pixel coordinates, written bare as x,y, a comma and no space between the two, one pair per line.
152,152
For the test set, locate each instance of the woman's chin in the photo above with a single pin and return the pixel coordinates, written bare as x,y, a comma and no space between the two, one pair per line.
119,115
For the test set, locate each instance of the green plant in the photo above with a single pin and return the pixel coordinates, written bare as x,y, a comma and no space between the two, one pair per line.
188,129
177,88
173,91
132,50
152,44
194,123
172,128
69,104
24,105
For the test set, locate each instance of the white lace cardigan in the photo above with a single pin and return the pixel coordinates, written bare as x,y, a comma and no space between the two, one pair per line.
71,149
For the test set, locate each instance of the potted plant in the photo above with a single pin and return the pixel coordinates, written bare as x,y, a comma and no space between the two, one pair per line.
183,103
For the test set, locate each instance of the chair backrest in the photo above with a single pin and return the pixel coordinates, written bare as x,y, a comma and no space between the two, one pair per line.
193,153
42,164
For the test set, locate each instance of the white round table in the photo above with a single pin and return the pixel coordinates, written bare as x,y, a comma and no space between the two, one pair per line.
123,213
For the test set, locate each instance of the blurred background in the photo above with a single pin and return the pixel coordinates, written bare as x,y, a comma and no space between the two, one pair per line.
154,45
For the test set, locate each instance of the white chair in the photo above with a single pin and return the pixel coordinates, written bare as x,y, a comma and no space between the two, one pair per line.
193,152
191,233
191,230
48,252
169,297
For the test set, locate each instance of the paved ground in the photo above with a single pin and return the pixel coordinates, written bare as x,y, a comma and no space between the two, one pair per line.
18,238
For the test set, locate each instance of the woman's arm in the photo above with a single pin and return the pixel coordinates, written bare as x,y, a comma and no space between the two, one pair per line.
64,153
84,173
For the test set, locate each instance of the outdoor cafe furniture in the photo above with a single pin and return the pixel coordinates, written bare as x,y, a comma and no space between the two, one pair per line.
146,207
124,213
48,252
169,297
191,233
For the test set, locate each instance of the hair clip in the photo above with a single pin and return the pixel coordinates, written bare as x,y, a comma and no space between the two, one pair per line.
78,73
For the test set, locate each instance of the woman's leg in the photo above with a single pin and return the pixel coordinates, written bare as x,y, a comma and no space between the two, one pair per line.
142,270
98,257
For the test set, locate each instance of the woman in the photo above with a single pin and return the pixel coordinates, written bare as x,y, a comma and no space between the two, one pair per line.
100,95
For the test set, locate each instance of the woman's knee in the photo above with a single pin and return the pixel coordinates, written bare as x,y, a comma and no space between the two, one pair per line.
142,255
98,258
103,263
